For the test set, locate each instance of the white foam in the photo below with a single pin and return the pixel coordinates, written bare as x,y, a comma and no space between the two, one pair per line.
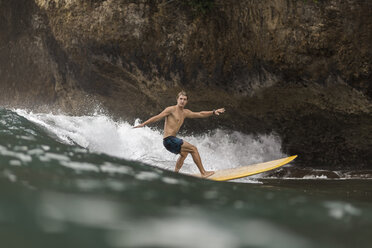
315,177
219,149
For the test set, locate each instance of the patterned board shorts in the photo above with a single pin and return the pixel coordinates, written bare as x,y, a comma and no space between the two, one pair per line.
173,144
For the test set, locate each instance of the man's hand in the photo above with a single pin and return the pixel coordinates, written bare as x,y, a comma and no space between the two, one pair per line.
219,111
140,125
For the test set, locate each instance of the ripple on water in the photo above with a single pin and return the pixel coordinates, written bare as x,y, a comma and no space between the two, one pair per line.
108,167
80,166
45,147
147,176
35,152
116,185
15,163
64,208
47,157
17,155
89,184
20,148
196,231
170,180
10,176
339,210
211,194
24,137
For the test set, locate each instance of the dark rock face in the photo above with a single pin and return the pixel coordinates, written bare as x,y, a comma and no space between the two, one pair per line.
301,69
34,70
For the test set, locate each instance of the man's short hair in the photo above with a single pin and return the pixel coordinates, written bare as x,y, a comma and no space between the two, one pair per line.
182,93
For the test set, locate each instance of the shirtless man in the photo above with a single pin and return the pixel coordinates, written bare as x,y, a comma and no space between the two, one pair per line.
174,117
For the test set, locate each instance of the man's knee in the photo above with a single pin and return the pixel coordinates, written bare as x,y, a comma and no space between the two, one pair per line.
188,148
184,154
194,149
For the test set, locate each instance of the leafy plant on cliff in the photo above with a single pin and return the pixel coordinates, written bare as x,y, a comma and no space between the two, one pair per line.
200,6
315,1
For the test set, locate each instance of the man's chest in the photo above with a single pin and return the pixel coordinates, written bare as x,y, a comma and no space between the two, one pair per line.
177,117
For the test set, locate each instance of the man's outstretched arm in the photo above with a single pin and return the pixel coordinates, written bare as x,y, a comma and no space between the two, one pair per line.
156,118
204,114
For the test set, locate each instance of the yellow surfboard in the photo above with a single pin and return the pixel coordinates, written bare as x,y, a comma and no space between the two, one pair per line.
248,170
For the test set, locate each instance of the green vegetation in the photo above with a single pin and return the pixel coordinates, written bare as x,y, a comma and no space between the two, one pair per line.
200,6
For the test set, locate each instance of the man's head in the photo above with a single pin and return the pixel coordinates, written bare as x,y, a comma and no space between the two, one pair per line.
182,99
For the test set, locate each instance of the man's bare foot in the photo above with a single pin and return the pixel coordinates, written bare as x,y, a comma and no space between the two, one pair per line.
177,169
207,174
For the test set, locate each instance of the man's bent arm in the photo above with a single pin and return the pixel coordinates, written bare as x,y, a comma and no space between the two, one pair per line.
155,118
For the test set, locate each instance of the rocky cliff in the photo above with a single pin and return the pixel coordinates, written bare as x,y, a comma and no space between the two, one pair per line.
301,69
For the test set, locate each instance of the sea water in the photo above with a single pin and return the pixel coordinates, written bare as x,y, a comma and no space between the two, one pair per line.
90,181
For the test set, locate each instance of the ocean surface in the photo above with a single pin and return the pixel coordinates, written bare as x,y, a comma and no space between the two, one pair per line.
90,181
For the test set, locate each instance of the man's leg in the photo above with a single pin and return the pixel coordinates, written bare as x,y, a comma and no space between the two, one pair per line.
187,147
180,161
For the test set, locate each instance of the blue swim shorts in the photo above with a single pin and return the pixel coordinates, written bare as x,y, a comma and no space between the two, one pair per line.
173,144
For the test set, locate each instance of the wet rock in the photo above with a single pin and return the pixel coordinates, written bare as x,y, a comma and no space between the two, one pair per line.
304,173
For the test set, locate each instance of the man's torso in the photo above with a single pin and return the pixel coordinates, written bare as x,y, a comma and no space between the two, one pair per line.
174,121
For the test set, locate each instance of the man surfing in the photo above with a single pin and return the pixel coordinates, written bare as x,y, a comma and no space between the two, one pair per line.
174,118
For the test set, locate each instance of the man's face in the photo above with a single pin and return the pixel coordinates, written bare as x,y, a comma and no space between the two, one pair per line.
182,101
